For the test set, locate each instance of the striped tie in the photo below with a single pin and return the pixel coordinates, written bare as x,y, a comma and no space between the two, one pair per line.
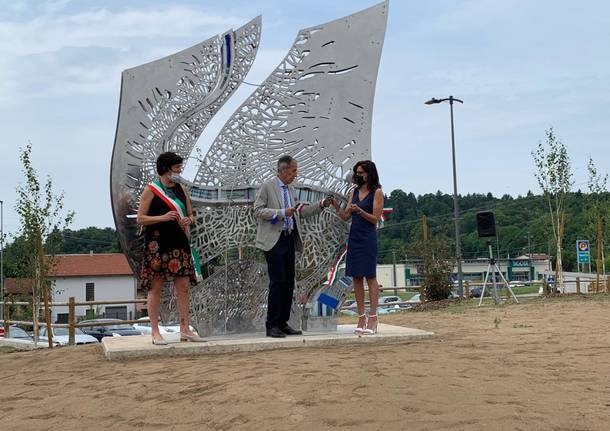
287,220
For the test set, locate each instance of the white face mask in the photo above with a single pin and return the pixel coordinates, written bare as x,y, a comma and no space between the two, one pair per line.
177,179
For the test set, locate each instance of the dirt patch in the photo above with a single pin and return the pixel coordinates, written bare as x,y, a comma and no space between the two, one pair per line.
543,365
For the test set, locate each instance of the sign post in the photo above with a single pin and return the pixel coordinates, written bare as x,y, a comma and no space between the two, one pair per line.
583,252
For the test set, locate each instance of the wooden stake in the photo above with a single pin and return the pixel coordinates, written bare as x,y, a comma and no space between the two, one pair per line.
71,321
598,263
7,318
45,293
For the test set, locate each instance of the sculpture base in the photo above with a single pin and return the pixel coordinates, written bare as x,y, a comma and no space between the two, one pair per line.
142,347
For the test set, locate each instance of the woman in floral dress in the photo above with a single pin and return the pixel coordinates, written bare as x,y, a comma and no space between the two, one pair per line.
166,213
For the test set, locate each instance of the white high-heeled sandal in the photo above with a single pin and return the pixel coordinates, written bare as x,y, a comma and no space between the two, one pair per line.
195,338
371,331
359,330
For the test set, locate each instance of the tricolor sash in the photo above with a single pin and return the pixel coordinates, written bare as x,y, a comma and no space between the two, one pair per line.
177,205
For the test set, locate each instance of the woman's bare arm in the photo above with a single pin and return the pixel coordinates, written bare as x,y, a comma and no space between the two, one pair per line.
345,214
377,208
143,219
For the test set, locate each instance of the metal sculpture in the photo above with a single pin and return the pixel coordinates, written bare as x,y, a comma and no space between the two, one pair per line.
316,106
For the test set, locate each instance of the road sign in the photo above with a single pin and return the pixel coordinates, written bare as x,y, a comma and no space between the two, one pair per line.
583,251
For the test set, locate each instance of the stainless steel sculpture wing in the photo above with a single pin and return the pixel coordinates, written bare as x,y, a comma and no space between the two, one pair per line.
164,106
316,106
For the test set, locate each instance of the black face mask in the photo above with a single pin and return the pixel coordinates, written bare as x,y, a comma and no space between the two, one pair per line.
359,180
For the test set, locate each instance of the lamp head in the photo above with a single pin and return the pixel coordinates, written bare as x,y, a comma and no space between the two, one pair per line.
433,101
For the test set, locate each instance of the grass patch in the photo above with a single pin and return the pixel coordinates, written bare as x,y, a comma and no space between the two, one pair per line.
7,349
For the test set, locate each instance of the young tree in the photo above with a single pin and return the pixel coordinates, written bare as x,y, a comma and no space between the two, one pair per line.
554,177
437,266
598,188
40,211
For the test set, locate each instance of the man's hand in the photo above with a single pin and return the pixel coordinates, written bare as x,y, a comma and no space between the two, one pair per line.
289,212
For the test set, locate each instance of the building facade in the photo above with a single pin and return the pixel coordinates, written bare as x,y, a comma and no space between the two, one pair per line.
93,277
521,268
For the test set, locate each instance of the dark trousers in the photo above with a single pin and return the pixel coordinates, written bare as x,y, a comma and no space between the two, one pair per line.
280,265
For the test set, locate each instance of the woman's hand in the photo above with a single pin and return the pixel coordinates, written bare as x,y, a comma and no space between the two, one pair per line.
186,221
170,215
353,208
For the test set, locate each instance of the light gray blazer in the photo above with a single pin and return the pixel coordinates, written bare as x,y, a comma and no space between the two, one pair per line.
267,205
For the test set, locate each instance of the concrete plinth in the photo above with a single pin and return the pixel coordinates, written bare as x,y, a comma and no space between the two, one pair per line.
142,347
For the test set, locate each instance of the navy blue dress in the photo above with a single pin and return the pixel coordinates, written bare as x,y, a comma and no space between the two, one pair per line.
361,260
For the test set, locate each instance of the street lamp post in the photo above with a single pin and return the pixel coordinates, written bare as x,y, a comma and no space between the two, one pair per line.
2,257
456,207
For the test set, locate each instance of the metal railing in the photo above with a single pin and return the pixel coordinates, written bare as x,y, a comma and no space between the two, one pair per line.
72,324
581,285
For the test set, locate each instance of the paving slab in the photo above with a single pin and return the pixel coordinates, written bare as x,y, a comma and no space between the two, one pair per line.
141,346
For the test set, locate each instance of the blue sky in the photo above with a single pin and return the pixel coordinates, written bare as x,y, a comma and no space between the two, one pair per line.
520,66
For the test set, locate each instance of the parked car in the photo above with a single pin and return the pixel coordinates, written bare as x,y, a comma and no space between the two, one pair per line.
20,339
389,299
18,333
61,336
349,303
389,309
348,312
475,292
117,329
415,299
143,326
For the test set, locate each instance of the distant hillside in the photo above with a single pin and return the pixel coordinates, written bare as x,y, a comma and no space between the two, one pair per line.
515,217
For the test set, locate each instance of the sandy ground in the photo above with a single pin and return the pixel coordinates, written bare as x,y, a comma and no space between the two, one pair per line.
544,365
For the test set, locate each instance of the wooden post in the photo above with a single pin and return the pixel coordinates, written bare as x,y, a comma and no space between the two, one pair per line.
6,309
596,286
598,261
578,285
47,315
607,285
545,287
71,321
424,221
466,289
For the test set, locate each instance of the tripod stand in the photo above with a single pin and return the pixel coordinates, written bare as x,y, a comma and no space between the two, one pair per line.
493,267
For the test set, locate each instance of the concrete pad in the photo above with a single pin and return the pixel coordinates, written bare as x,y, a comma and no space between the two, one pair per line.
142,347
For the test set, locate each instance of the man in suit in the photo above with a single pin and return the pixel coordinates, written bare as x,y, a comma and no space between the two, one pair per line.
278,211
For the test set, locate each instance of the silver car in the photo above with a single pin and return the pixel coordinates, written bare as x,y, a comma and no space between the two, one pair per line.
61,337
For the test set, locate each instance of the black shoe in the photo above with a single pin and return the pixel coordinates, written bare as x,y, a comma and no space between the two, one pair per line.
275,332
290,331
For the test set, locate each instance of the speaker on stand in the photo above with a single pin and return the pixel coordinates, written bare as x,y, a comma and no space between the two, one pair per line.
486,228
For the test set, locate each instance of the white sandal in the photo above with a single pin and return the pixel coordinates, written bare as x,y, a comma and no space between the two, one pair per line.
359,330
371,331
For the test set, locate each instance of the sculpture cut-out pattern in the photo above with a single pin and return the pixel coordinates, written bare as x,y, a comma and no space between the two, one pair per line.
316,106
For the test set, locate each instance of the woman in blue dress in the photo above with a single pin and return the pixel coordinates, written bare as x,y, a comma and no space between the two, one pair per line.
365,206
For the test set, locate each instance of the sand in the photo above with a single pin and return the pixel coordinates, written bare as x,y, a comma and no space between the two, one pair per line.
544,365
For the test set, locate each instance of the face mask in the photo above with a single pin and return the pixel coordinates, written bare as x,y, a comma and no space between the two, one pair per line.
359,180
177,179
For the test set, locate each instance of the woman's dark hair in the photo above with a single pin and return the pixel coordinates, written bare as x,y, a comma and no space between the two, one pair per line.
371,171
166,160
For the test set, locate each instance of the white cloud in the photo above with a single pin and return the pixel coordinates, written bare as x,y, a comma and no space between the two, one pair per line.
83,53
105,28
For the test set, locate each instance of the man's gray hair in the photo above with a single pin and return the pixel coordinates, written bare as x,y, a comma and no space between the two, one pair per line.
284,162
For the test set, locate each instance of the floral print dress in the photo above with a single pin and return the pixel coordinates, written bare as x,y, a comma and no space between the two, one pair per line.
167,252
